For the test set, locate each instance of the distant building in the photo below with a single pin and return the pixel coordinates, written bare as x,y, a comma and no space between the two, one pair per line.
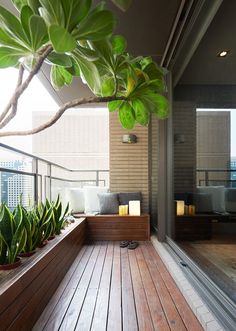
12,185
233,174
79,140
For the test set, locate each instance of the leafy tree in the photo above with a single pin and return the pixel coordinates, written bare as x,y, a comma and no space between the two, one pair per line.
76,39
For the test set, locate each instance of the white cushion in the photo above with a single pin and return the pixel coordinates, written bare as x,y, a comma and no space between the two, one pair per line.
91,198
218,196
75,196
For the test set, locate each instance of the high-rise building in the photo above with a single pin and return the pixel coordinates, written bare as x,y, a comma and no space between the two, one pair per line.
14,187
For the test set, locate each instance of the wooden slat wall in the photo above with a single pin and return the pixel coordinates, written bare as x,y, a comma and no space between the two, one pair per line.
129,166
115,227
184,121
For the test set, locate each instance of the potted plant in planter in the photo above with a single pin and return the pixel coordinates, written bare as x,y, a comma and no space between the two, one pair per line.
12,237
32,233
76,38
44,216
59,216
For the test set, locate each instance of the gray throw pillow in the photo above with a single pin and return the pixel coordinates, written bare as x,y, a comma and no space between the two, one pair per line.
203,202
125,197
109,203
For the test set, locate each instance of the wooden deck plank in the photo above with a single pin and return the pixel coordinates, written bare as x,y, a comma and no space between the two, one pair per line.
57,316
184,310
116,289
172,315
142,308
76,304
157,313
59,292
114,322
129,316
86,315
102,304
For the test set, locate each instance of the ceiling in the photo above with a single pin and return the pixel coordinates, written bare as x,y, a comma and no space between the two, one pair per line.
146,25
205,67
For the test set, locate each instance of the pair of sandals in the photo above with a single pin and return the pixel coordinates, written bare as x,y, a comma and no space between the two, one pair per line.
129,244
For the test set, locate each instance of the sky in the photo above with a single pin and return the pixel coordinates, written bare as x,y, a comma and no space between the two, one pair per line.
35,98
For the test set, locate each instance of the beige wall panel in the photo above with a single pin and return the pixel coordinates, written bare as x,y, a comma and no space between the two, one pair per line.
129,162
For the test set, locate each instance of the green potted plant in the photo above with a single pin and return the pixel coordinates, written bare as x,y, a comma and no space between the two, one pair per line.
59,216
43,213
12,237
76,38
32,233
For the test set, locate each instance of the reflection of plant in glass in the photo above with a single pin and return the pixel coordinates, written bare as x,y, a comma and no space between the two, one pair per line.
76,39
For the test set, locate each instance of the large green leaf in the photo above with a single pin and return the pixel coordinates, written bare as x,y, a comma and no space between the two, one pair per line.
157,104
7,40
87,53
38,32
66,75
9,22
6,225
60,59
9,57
96,26
153,71
74,69
118,44
107,86
114,105
89,73
75,11
104,49
122,4
19,3
61,39
52,12
141,112
126,116
57,79
25,15
34,4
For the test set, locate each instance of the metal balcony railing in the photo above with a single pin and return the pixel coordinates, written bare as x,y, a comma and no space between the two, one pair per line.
34,178
208,177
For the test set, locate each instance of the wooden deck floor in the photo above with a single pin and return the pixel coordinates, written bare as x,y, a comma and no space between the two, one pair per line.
113,288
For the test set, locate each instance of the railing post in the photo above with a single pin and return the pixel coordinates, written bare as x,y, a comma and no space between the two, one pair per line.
207,177
97,177
49,174
36,186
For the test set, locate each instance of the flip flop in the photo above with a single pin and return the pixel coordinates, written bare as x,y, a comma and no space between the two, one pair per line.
133,245
124,243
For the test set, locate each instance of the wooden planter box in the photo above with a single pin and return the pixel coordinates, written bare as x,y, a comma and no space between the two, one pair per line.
115,227
25,291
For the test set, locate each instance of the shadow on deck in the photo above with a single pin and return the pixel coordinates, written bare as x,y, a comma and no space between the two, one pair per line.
113,288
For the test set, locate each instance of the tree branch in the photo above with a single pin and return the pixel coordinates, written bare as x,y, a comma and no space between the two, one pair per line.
7,117
45,51
59,113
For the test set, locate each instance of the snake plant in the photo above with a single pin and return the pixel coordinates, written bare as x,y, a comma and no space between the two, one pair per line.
12,234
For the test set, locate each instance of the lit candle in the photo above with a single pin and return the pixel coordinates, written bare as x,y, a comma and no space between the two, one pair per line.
134,207
179,207
191,210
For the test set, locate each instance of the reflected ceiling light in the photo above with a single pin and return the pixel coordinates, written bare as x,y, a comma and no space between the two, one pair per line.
223,53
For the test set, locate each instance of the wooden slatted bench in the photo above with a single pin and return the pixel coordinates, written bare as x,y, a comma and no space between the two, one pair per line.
115,227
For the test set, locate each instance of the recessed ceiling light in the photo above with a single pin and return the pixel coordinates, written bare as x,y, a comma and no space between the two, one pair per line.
223,53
